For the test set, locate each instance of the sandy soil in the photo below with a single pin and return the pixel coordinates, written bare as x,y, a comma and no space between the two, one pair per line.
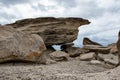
70,70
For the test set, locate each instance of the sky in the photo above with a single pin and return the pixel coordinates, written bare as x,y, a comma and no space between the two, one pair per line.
104,15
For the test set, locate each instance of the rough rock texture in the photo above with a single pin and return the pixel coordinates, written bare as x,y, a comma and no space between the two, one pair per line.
118,46
87,56
113,49
98,49
16,45
59,56
118,42
72,51
70,70
87,41
52,30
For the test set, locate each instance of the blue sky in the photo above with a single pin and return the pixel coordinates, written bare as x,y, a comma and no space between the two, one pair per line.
103,14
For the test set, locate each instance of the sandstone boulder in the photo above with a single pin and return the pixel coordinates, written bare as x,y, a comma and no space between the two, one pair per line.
87,56
59,56
16,45
52,30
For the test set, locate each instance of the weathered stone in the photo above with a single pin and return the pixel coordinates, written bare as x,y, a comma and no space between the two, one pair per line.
98,49
109,61
16,45
87,56
95,62
73,51
52,30
108,56
87,41
66,46
59,56
113,48
50,49
118,47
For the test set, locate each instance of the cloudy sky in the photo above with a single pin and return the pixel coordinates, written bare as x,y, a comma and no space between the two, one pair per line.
103,14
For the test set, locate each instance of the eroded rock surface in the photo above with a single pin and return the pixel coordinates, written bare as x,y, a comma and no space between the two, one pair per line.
59,56
87,41
16,45
52,30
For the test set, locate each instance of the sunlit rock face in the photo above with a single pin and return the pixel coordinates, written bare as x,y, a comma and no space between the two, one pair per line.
52,30
17,45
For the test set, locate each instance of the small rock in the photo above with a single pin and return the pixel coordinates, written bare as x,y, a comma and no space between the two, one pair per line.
95,62
87,56
109,61
59,56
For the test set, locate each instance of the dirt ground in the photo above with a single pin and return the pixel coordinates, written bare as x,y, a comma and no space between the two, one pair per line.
69,70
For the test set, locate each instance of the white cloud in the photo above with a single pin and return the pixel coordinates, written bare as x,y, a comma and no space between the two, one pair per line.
103,14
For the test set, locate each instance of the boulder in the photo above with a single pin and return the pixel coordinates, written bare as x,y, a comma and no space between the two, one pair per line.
16,45
111,57
72,51
87,56
59,56
97,49
87,41
52,30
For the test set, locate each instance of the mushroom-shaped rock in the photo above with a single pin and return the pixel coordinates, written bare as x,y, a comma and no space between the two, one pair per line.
52,30
17,45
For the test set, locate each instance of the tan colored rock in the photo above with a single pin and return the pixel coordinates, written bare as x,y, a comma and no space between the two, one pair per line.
52,30
73,51
113,48
59,56
95,62
97,49
109,61
87,41
16,45
87,56
108,56
118,47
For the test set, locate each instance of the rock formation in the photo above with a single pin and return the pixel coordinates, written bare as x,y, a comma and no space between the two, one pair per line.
17,45
52,30
87,41
118,47
59,56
